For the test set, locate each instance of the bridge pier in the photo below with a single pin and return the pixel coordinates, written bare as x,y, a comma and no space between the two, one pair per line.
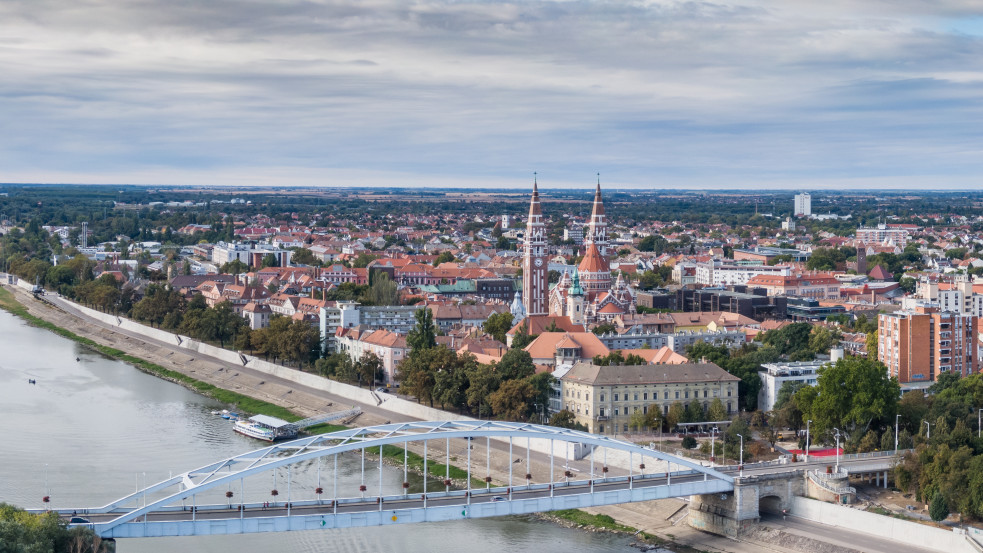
730,514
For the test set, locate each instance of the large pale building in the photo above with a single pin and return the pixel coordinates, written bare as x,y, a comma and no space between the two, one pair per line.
883,234
920,344
803,204
605,397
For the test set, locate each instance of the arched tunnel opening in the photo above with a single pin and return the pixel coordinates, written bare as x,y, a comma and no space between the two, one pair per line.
771,504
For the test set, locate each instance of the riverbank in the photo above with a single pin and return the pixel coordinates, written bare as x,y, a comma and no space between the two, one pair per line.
652,518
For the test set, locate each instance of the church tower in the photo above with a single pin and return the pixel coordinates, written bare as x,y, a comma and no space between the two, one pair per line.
597,231
535,288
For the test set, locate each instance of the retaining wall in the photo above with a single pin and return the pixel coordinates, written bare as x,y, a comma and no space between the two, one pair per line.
902,531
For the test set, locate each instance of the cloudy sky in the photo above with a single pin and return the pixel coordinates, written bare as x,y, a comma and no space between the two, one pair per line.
651,94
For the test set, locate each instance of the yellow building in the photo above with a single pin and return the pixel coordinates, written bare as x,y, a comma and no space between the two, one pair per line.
604,397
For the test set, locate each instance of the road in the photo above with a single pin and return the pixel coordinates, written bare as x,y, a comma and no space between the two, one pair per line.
841,537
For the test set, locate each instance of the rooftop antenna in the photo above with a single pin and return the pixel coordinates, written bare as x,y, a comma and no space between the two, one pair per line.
534,177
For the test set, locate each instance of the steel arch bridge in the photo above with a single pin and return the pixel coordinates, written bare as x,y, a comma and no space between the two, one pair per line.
172,507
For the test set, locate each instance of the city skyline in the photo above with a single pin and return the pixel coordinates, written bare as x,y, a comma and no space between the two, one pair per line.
670,95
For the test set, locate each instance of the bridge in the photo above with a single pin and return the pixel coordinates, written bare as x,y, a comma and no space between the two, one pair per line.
211,499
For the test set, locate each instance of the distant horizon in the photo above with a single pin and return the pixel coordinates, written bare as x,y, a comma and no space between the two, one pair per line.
509,189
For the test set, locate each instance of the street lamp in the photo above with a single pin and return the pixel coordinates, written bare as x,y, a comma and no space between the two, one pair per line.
896,417
978,422
808,422
741,462
713,451
928,433
837,436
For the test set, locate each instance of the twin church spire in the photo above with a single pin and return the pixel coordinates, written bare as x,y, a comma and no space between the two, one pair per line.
535,265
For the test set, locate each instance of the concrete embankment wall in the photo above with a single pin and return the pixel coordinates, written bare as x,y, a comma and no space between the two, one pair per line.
903,531
354,393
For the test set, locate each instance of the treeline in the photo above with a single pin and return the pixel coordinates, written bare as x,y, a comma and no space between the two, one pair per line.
283,340
21,531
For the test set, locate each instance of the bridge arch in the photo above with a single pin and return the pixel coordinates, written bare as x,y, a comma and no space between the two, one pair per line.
235,469
772,504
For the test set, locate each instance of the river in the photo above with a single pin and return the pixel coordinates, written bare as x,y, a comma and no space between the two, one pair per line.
92,429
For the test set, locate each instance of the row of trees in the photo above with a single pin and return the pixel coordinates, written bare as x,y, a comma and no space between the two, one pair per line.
23,531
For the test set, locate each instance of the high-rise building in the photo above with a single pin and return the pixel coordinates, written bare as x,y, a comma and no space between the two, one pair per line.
883,234
803,204
920,344
84,238
535,286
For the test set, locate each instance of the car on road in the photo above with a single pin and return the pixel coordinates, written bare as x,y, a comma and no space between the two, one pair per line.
78,520
498,498
382,390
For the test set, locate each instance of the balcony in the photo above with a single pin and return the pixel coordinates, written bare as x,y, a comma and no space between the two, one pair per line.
601,418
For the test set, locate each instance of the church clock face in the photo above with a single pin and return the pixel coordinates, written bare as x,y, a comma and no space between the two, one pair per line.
539,262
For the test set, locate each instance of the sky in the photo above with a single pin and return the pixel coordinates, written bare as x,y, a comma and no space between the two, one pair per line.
780,94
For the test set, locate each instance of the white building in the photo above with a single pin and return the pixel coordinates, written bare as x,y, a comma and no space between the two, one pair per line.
803,204
777,374
395,318
882,234
716,273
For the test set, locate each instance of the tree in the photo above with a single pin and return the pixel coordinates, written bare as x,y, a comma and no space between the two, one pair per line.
602,329
370,369
938,509
383,291
872,352
498,324
483,381
786,392
516,364
270,260
522,338
822,338
789,338
716,411
513,400
854,394
233,267
566,419
617,358
424,334
302,256
444,257
676,415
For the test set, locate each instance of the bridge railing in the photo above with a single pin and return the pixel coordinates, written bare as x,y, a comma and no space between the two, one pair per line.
821,479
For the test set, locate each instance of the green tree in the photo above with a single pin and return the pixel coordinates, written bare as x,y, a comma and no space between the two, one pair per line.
676,415
854,395
566,419
716,411
483,380
822,338
424,334
498,324
270,260
444,257
938,509
302,256
370,369
602,329
383,291
516,364
513,400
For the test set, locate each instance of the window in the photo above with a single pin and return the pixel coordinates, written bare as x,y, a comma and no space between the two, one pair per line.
616,411
645,396
665,395
635,410
600,412
728,394
687,394
616,397
587,396
600,429
704,393
677,394
645,410
625,428
636,396
602,397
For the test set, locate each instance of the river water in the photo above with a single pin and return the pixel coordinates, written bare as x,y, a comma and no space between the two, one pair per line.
93,429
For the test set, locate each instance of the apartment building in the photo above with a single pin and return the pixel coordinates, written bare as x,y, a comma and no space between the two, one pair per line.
920,344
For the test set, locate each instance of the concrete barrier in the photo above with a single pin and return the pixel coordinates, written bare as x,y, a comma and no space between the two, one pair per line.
903,531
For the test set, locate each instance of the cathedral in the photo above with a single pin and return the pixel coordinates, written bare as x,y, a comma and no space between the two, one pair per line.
587,295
